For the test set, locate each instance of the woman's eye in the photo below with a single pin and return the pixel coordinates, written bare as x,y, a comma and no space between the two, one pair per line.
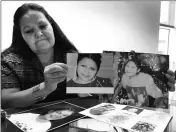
29,31
92,69
43,27
83,66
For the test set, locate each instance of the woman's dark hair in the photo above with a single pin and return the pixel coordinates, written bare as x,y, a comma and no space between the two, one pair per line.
62,44
135,60
47,110
95,57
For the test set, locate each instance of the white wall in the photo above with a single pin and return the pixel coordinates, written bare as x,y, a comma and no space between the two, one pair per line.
94,26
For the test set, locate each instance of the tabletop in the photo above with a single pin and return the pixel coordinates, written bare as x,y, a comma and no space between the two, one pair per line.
86,102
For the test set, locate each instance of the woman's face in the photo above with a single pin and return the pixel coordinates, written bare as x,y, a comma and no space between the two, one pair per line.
86,70
60,114
37,31
131,69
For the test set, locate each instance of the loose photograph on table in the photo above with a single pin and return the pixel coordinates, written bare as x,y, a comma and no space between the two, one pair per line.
143,127
90,73
46,118
140,79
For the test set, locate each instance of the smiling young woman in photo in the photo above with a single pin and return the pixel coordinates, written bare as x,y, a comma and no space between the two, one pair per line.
138,85
87,68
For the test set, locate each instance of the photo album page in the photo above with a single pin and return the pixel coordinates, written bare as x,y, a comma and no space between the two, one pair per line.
130,118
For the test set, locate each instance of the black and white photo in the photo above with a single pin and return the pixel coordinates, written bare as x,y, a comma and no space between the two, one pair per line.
90,73
142,77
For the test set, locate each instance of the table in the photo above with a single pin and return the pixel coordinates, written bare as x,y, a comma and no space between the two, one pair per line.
86,102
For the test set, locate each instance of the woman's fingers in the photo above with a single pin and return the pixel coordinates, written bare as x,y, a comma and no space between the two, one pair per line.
58,79
58,74
171,86
170,76
56,67
170,72
171,80
54,74
64,66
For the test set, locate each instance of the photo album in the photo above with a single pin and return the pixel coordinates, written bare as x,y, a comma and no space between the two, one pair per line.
130,118
46,118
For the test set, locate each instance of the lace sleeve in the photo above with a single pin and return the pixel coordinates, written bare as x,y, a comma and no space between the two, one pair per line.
9,78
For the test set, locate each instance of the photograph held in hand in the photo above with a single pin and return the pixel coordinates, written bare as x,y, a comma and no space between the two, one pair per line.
141,79
90,73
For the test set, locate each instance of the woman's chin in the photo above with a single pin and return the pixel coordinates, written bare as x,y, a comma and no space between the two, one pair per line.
44,49
85,81
130,75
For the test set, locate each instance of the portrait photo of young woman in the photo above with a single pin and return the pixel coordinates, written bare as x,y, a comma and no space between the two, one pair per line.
89,73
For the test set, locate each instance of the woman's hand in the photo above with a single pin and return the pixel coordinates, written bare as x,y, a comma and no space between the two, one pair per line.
171,80
54,74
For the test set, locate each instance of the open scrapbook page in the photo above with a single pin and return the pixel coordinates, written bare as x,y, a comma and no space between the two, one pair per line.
46,118
90,73
130,118
140,79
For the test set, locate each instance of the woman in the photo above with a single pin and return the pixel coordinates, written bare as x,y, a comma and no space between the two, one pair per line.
88,66
32,68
